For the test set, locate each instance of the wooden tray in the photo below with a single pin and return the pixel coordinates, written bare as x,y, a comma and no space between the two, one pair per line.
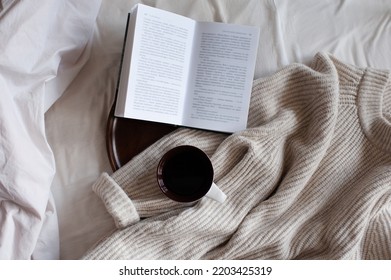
126,138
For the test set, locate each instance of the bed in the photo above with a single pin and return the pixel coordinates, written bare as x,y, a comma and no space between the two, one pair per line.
59,65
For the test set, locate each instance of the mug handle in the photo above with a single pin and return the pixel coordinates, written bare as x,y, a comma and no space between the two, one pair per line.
216,194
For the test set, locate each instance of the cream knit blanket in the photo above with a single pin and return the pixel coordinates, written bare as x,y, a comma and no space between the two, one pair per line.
310,177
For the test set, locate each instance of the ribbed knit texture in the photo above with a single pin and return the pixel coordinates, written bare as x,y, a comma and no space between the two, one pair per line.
309,179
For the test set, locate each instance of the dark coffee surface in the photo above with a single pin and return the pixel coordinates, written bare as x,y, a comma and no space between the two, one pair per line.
187,174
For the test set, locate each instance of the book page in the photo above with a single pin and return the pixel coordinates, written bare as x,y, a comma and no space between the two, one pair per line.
222,72
159,65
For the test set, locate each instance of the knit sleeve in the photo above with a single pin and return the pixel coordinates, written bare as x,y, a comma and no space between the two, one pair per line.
132,193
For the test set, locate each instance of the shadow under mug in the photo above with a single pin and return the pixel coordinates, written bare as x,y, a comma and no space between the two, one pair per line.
185,174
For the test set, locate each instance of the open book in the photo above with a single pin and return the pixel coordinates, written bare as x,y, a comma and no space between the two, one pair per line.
179,71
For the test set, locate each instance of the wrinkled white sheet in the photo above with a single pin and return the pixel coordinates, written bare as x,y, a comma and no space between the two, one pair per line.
355,31
42,45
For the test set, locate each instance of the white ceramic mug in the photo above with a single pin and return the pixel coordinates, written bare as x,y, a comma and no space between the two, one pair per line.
185,174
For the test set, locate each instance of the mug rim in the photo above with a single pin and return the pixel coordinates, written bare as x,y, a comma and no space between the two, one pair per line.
175,196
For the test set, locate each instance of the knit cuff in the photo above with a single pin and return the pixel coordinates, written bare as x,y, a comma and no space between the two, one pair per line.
117,202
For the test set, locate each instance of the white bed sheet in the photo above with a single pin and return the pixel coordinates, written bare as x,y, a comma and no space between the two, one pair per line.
41,48
357,32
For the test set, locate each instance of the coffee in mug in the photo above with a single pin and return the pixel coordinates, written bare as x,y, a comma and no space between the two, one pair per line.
185,174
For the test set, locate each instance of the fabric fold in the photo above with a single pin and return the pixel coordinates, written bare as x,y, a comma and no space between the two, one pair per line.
34,47
116,201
